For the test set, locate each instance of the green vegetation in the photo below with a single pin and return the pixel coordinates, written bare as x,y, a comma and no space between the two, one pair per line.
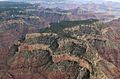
27,54
2,31
58,27
31,41
64,66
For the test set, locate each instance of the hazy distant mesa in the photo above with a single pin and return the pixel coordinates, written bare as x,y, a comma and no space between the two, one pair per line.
62,1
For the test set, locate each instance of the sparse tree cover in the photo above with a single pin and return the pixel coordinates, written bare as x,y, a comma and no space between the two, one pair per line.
56,27
37,42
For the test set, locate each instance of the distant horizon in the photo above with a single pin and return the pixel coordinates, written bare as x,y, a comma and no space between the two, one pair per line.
71,1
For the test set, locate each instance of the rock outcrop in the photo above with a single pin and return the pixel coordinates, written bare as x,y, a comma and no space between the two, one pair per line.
89,52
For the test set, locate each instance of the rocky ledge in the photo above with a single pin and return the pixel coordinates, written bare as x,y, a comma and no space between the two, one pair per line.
88,52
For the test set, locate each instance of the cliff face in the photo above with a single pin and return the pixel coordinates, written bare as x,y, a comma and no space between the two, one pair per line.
79,52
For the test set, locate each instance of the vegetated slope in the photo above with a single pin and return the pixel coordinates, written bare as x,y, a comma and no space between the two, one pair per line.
12,30
15,23
87,52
